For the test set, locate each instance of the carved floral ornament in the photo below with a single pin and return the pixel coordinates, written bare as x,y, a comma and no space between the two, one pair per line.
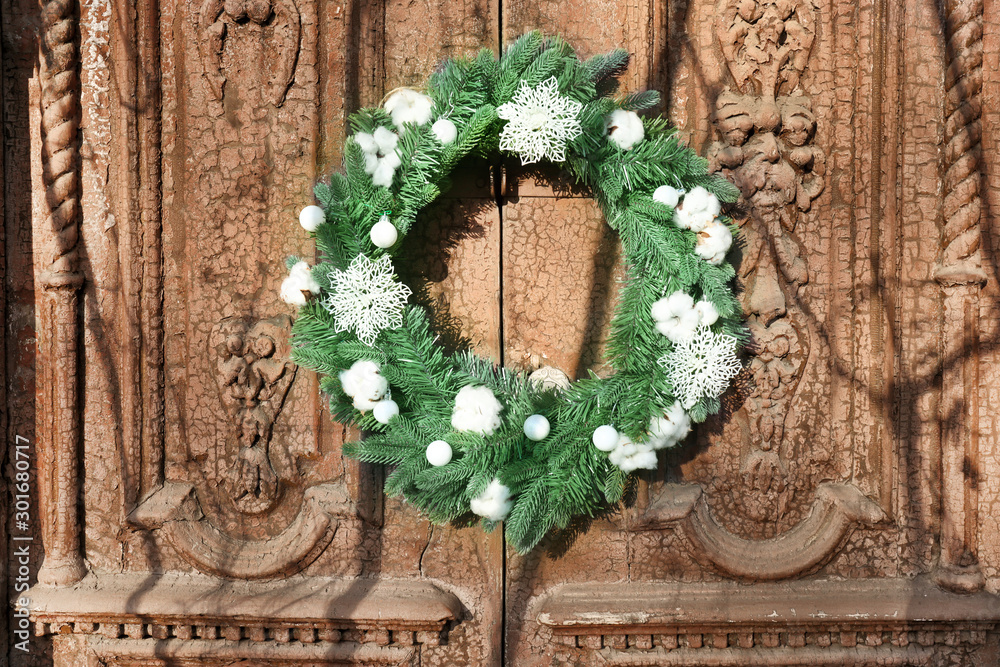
280,24
766,129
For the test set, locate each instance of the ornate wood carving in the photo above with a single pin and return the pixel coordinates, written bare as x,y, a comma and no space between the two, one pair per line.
896,622
766,149
961,276
187,618
835,511
60,280
766,132
280,18
175,509
254,375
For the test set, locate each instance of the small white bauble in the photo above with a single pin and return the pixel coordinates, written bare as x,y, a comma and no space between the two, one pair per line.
311,217
444,130
536,427
384,233
384,411
605,438
438,453
667,195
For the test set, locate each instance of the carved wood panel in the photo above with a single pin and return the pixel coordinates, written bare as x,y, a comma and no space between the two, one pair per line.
854,467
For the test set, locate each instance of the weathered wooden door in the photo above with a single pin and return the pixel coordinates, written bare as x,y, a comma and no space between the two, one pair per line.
839,512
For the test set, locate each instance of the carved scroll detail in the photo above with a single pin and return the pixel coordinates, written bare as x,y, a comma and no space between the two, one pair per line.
765,147
961,276
59,276
254,375
176,510
836,509
217,17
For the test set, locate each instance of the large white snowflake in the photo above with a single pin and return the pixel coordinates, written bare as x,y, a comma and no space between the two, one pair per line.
701,366
540,122
367,298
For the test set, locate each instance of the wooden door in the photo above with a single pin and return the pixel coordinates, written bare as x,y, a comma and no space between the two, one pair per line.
836,512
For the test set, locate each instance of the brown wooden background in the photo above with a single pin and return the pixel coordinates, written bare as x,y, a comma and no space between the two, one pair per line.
840,511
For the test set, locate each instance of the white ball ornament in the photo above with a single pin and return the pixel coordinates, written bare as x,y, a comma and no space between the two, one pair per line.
667,195
311,217
385,410
439,453
536,427
605,438
444,130
384,233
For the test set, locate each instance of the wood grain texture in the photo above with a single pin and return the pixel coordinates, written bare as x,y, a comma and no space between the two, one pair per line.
187,198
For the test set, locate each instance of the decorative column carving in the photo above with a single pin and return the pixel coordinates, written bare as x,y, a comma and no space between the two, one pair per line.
60,279
961,276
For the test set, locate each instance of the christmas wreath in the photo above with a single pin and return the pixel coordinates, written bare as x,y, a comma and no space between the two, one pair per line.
462,434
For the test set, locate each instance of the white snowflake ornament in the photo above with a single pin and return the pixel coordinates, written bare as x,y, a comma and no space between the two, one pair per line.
540,122
381,156
701,366
367,298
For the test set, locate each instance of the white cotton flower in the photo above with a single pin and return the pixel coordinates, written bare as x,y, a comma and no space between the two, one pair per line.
381,156
699,208
708,314
476,410
408,106
624,128
701,366
363,382
713,243
291,294
675,316
700,199
540,122
299,281
366,298
494,503
630,456
667,195
444,130
671,428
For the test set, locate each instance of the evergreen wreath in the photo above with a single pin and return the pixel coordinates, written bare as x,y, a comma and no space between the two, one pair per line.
462,434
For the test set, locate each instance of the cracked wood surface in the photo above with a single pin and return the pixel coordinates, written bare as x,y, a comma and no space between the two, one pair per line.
170,253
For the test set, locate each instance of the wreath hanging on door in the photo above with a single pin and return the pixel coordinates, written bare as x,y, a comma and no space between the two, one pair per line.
465,435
